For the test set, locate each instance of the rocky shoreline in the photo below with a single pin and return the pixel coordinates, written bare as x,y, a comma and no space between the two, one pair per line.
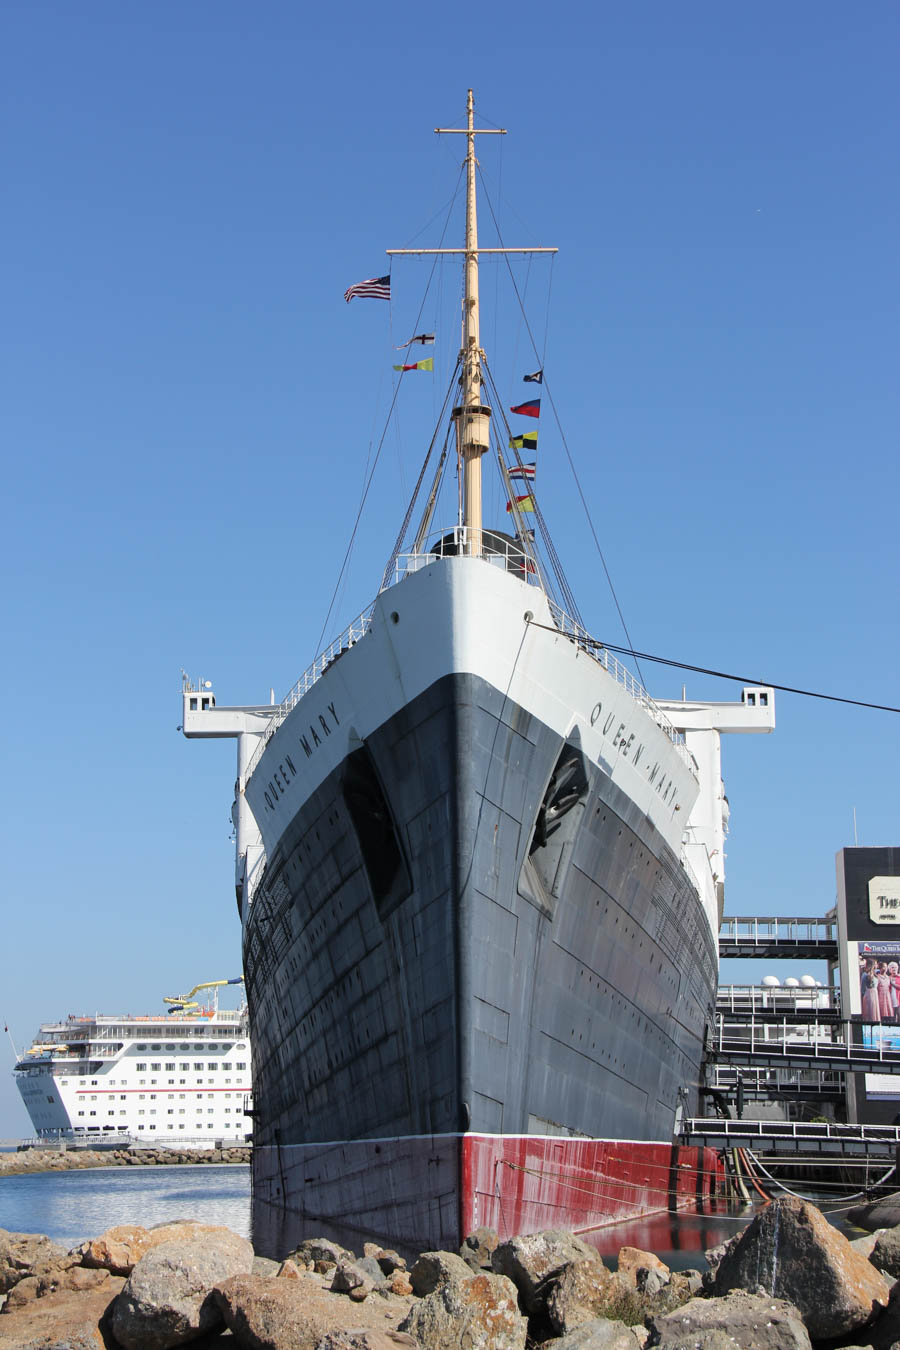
789,1281
65,1160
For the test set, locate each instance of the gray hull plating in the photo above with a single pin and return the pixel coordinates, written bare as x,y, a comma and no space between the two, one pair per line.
435,970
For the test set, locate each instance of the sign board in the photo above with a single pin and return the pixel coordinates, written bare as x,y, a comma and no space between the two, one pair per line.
884,900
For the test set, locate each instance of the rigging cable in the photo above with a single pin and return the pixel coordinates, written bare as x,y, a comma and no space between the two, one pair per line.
630,649
723,674
387,423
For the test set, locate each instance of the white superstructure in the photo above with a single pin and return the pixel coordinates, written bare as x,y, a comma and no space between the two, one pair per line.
181,1079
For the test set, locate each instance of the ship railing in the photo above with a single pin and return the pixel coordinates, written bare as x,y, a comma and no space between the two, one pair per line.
500,552
778,998
763,931
349,638
623,676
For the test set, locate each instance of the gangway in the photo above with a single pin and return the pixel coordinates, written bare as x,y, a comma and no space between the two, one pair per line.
800,939
807,1041
793,1137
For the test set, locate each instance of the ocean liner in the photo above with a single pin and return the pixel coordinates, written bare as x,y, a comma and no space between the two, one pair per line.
479,873
178,1079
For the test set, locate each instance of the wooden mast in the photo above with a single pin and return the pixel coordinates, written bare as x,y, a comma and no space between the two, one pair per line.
472,416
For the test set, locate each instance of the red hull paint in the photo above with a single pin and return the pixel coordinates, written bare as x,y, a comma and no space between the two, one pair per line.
427,1192
523,1183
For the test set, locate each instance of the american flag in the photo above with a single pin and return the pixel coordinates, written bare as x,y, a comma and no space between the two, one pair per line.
377,288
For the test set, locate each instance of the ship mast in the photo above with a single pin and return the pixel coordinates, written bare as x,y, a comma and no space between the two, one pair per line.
472,416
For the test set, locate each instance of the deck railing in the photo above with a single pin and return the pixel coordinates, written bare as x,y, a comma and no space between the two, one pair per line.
500,553
622,675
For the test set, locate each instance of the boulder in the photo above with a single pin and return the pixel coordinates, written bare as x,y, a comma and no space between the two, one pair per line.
602,1334
350,1279
748,1321
531,1259
314,1249
885,1253
265,1314
632,1259
167,1298
25,1291
118,1249
478,1247
65,1320
480,1312
388,1260
24,1254
883,1213
581,1292
263,1266
793,1253
436,1268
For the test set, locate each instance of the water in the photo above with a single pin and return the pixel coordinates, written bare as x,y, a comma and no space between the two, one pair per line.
73,1206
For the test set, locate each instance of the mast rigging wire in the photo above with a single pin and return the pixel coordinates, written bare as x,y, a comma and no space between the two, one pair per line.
630,649
723,674
387,423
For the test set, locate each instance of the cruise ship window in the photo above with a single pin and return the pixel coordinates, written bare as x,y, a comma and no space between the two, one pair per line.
170,1068
182,1080
152,1082
155,1068
181,1112
209,1098
227,1080
93,1096
93,1082
198,1068
142,1082
242,1065
153,1096
81,1113
121,1096
171,1111
170,1081
213,1066
121,1113
92,1113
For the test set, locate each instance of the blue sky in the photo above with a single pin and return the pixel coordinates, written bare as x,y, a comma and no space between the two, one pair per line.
188,406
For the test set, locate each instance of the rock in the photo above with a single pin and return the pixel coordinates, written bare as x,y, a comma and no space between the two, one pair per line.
27,1289
389,1260
434,1269
62,1321
118,1249
168,1300
264,1314
312,1250
581,1292
737,1321
478,1247
400,1283
529,1261
650,1281
885,1253
288,1270
263,1266
369,1266
480,1312
24,1254
350,1278
792,1251
632,1259
601,1334
883,1213
366,1340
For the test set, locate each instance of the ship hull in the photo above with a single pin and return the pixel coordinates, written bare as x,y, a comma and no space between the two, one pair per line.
469,926
425,1194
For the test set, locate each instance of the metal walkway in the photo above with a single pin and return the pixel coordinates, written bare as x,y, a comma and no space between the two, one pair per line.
799,1039
769,938
795,1137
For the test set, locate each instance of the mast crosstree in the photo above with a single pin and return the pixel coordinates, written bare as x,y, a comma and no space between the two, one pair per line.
472,416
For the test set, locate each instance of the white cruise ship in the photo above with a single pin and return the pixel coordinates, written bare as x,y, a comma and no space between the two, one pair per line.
179,1078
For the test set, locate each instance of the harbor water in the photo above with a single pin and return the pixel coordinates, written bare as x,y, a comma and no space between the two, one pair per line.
70,1207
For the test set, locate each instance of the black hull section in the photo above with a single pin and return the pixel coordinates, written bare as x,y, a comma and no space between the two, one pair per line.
443,942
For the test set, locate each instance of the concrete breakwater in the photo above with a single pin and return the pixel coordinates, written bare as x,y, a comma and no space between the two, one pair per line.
788,1281
63,1160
